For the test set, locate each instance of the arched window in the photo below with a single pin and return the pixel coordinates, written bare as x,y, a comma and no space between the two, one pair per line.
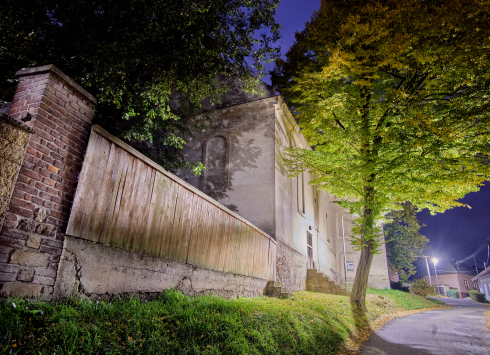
216,155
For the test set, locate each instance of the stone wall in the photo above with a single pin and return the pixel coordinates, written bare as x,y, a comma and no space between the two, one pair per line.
31,240
100,272
14,136
290,268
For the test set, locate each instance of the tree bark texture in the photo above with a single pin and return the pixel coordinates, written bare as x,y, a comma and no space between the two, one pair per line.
358,293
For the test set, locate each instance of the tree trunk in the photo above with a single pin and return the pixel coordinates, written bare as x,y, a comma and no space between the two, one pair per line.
358,293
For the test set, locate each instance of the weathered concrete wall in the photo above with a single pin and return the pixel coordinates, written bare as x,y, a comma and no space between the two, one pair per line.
60,112
290,268
99,271
14,136
237,147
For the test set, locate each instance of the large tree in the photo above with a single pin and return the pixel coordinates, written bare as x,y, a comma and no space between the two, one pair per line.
133,55
394,98
404,243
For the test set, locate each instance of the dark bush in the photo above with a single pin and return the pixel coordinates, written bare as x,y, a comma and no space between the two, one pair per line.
477,296
452,293
399,286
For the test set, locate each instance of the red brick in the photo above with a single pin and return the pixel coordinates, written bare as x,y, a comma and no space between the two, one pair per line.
52,243
9,224
55,134
54,221
46,122
44,135
60,144
49,204
45,195
56,199
50,250
53,169
53,191
52,146
48,182
56,177
39,147
45,173
59,164
37,200
29,173
11,242
21,203
18,194
13,234
48,159
26,188
20,211
10,217
40,186
30,150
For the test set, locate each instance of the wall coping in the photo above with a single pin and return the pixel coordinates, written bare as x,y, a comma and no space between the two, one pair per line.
171,176
15,123
53,69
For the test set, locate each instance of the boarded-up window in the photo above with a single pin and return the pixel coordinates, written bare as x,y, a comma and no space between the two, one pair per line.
301,193
215,176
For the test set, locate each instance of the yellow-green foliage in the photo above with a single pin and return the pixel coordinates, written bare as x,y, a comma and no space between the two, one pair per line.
307,323
422,288
394,97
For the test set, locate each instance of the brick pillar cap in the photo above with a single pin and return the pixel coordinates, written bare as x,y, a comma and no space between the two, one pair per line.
51,68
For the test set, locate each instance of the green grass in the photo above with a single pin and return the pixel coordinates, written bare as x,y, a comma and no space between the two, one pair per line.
307,323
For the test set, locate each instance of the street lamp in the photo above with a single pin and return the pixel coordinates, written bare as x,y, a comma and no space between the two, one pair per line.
434,260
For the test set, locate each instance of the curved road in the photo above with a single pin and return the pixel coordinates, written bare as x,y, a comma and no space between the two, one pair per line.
459,330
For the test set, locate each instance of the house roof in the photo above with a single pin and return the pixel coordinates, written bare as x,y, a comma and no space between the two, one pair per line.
444,267
482,275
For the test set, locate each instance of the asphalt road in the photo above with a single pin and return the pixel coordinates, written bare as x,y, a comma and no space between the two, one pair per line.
459,330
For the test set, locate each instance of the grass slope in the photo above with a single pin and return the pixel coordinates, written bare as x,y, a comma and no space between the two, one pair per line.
307,323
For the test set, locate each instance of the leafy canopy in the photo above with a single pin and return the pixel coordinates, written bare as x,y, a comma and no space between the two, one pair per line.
133,55
394,97
403,240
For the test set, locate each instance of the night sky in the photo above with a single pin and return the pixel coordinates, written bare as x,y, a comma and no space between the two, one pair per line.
454,234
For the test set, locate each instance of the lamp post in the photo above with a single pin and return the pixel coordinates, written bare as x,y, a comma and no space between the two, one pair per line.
434,260
428,269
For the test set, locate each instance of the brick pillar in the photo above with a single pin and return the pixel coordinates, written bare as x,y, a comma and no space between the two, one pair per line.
31,240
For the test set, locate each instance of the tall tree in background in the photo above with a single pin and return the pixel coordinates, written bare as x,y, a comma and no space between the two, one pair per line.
394,97
403,240
132,55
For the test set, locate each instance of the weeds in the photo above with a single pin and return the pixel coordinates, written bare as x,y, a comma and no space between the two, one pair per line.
308,323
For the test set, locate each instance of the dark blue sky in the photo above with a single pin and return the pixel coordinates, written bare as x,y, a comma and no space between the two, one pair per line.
292,15
454,234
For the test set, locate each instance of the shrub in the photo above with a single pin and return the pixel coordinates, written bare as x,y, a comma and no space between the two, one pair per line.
422,288
399,286
477,296
452,293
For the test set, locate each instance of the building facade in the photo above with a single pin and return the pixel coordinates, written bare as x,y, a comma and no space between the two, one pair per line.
242,149
482,281
452,277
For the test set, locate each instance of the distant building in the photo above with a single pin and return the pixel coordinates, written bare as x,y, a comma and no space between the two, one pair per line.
451,276
482,281
242,148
